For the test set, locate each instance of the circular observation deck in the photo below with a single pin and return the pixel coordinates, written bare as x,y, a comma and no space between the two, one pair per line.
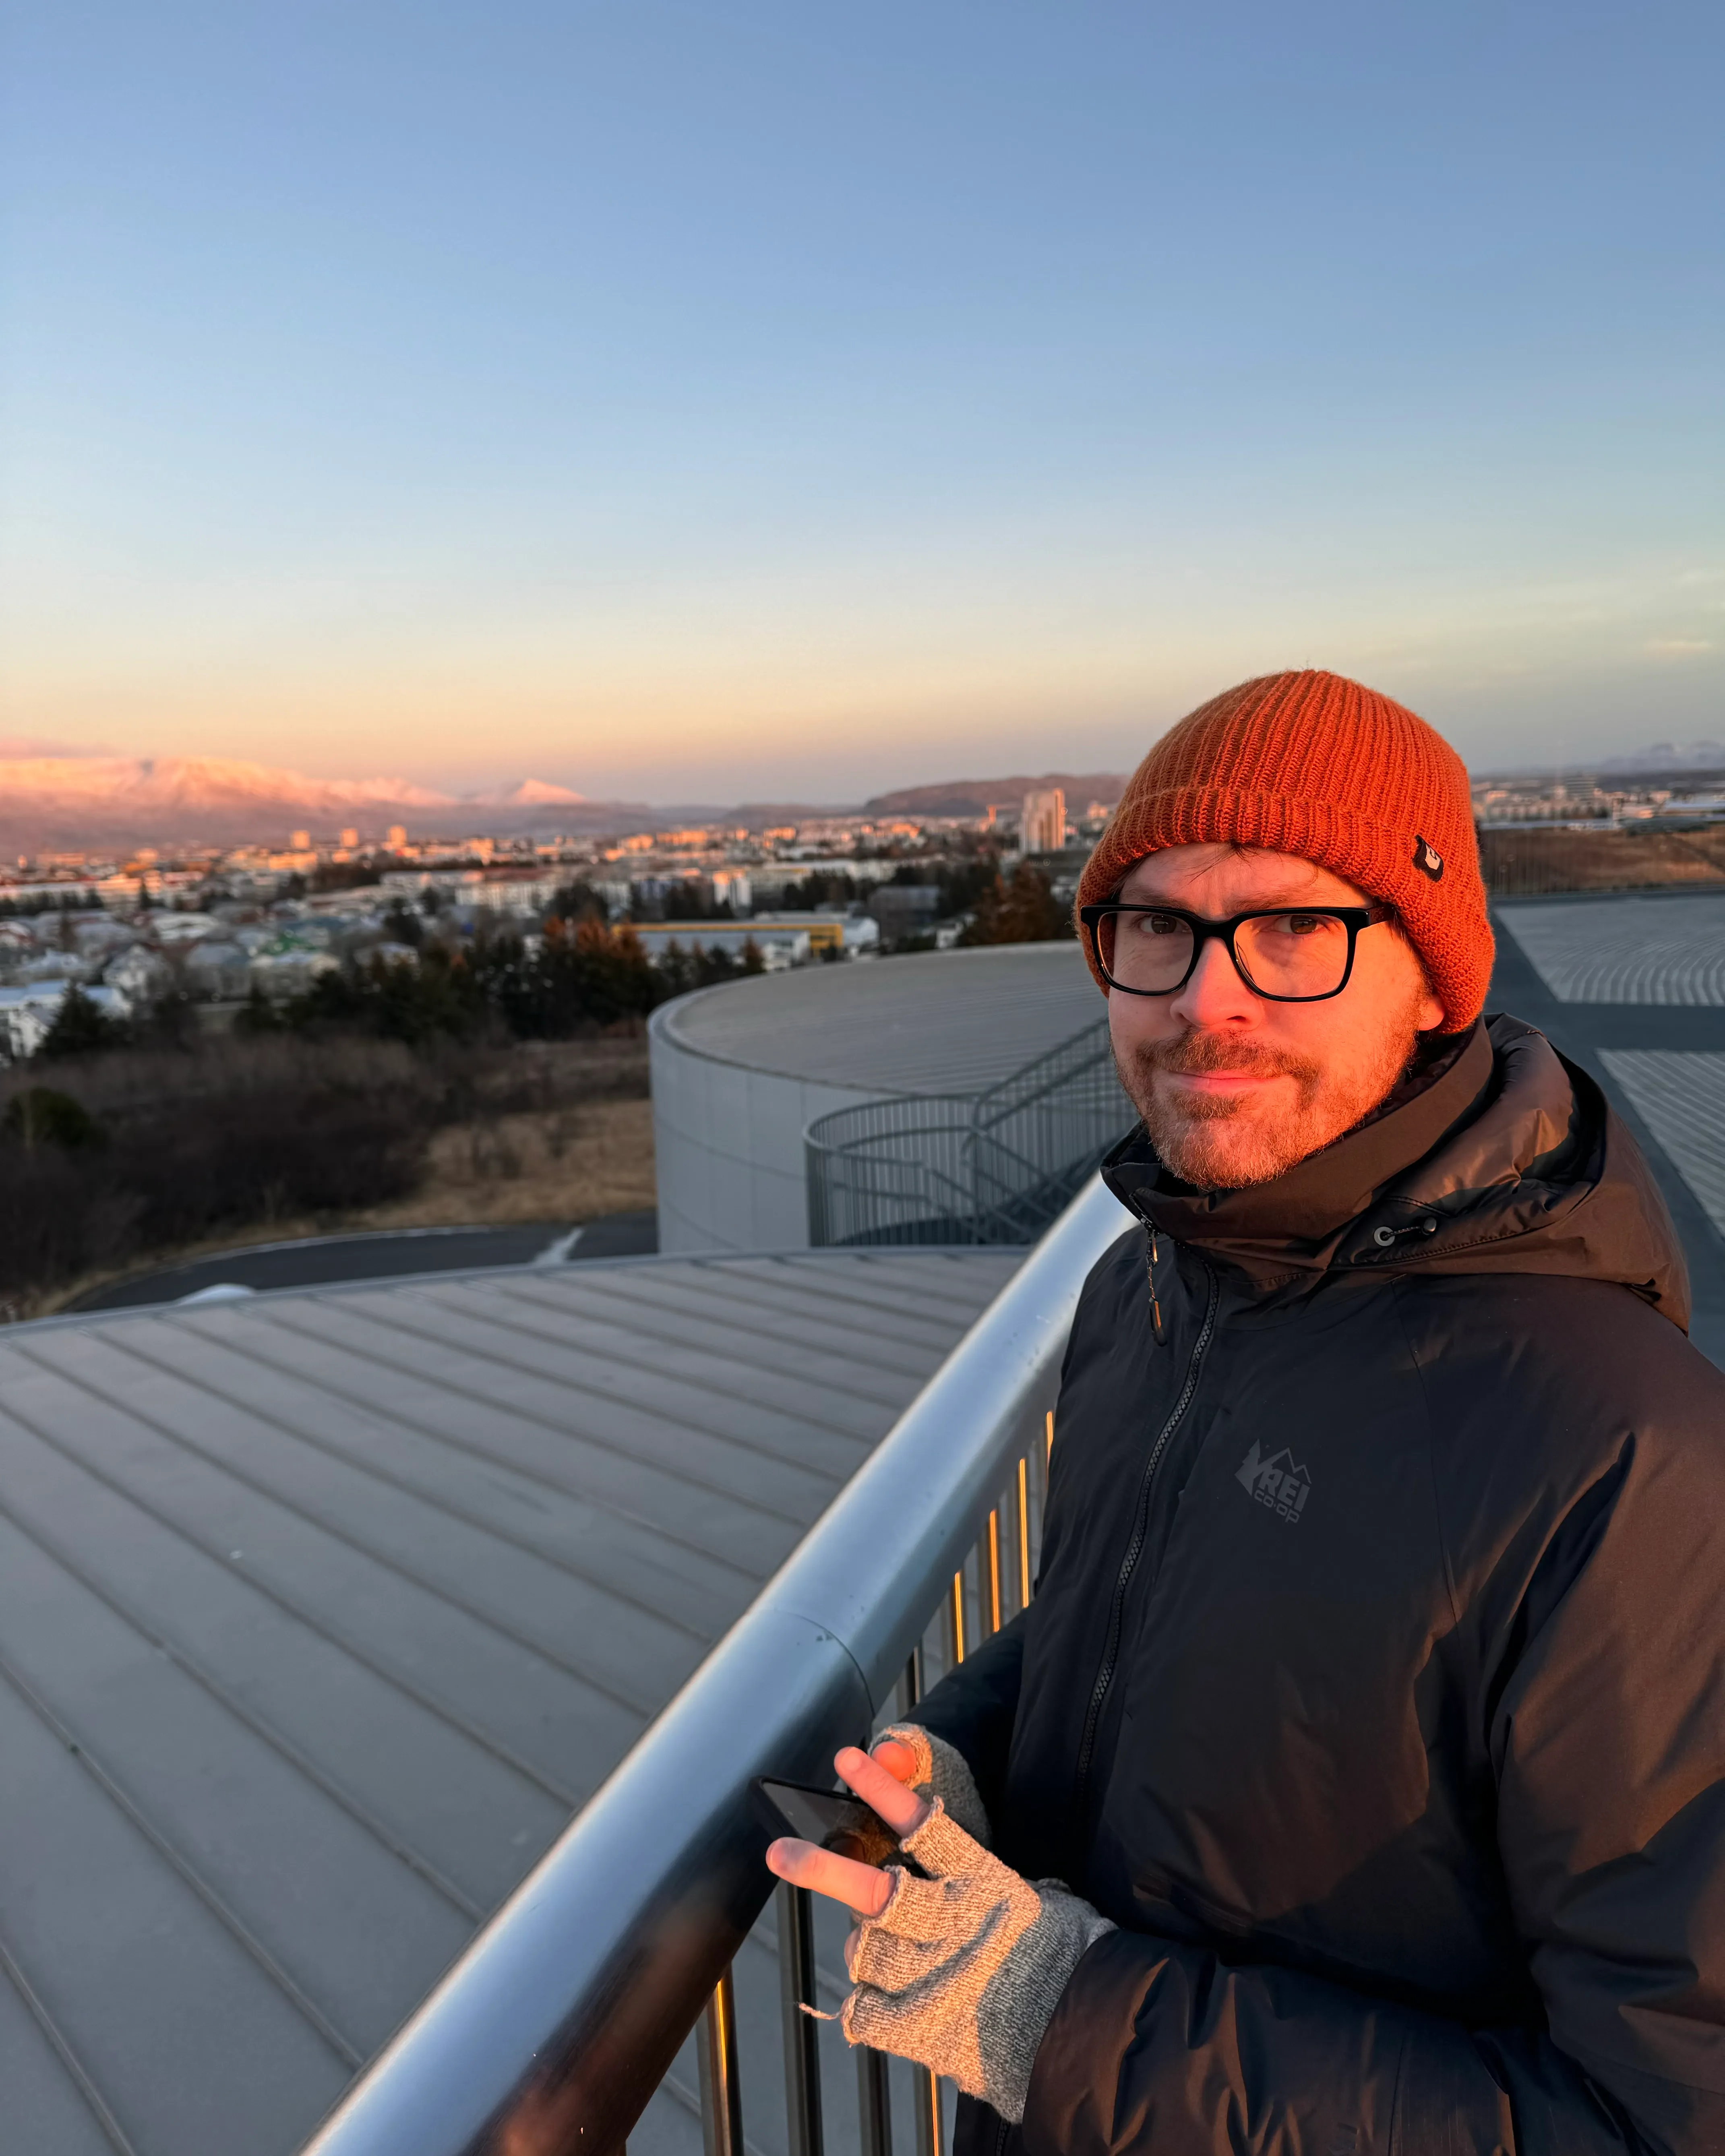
741,1070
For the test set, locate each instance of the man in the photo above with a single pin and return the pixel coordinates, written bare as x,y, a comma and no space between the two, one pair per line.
1355,1780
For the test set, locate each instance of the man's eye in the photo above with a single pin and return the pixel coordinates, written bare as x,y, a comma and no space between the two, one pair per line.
1304,924
1161,924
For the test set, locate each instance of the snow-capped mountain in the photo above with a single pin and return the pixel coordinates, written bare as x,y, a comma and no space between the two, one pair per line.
53,802
533,793
1672,756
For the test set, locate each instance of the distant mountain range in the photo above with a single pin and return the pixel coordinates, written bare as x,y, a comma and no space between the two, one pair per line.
56,804
1670,757
975,797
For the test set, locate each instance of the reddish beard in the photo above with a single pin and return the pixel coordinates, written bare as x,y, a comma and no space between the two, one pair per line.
1218,1141
1196,1054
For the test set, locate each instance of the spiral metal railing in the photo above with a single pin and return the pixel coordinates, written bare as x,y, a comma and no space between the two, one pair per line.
995,1166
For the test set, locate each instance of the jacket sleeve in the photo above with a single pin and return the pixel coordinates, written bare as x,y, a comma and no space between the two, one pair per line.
972,1707
1157,2046
1606,1733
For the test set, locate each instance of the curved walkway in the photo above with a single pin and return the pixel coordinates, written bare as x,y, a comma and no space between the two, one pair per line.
397,1254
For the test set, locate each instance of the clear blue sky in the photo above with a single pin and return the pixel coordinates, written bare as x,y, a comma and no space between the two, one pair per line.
758,399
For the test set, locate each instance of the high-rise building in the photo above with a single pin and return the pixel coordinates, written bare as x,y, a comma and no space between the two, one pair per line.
396,837
1042,822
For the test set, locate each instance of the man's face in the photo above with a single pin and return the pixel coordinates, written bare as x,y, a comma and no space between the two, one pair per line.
1233,1090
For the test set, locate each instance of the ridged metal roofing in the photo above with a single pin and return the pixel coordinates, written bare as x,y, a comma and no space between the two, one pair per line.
1681,1097
321,1613
886,1025
1667,949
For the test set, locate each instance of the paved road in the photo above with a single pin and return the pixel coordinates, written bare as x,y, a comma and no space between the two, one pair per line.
321,1260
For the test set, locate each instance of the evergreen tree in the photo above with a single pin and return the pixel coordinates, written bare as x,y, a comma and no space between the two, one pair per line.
79,1028
1024,910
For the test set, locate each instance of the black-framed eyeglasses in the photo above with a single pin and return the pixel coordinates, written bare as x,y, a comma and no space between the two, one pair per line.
1287,954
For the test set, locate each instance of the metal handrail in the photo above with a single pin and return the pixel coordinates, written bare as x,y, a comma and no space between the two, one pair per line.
550,2034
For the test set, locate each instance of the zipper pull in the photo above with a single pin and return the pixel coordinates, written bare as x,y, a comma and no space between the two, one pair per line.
1155,1306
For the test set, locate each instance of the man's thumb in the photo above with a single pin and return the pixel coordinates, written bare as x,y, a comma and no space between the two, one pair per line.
899,1760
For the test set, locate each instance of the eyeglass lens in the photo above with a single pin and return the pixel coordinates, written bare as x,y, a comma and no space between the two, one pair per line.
1284,954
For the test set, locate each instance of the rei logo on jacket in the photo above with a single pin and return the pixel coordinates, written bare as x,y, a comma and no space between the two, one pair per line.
1280,1482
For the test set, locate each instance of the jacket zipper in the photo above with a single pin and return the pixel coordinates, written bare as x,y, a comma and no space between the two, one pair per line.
1135,1547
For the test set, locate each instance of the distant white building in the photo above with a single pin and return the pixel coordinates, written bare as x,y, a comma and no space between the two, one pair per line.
218,970
497,891
137,976
184,927
27,1015
828,928
1042,822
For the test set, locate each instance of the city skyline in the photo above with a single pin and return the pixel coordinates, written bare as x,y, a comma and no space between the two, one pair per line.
682,411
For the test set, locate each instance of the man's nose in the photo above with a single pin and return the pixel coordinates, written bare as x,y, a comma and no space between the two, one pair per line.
1215,995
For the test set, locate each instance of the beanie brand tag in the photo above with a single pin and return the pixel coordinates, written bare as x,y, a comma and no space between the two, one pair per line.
1427,859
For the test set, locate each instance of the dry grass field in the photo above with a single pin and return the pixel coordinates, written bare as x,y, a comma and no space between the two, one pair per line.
573,1163
1526,863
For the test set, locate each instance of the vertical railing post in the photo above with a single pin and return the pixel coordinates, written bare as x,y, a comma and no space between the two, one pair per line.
874,2100
925,2089
721,2092
927,2095
992,1542
802,2031
1024,1532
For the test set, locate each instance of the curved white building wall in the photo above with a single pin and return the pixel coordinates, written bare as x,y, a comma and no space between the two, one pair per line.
741,1070
727,1148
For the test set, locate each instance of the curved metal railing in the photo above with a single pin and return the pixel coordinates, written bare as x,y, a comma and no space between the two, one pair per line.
551,2033
995,1167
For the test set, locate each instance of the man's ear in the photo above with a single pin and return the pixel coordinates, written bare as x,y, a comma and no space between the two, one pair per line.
1431,1008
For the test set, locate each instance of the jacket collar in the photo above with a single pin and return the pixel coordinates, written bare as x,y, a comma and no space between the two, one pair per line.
1295,1223
1508,1159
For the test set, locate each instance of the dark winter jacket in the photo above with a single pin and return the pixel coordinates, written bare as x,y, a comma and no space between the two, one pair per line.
1375,1684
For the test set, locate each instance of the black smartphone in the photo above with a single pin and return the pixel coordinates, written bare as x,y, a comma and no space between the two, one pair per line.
830,1819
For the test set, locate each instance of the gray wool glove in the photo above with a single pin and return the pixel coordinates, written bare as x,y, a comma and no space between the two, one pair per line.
941,1772
962,1971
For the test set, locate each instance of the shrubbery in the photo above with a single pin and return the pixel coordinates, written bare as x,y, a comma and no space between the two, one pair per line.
145,1149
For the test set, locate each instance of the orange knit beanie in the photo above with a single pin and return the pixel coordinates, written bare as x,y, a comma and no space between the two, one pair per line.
1311,764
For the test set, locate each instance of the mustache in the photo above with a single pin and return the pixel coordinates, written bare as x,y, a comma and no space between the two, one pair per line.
1196,1053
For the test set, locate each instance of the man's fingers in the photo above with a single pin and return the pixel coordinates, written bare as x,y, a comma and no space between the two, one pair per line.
859,1886
902,1811
899,1760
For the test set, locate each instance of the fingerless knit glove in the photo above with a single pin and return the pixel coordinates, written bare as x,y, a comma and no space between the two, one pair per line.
941,1772
962,1971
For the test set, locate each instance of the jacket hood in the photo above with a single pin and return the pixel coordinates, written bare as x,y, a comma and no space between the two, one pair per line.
1511,1160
